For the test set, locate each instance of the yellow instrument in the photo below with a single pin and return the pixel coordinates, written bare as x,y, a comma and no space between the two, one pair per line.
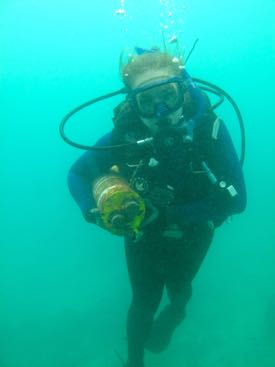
122,210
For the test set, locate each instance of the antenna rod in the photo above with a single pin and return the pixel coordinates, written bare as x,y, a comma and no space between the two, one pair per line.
191,51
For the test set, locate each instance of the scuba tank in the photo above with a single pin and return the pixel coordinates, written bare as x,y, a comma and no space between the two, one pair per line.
121,209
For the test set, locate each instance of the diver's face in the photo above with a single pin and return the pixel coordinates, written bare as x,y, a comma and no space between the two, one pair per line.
166,94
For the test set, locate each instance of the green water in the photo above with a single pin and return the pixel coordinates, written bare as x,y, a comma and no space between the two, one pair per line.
64,290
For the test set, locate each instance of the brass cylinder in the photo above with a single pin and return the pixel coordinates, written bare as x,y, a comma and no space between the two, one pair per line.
118,204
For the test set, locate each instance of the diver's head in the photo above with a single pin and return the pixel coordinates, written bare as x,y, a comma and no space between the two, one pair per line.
156,88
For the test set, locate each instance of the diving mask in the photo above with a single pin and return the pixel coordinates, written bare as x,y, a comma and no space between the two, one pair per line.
159,98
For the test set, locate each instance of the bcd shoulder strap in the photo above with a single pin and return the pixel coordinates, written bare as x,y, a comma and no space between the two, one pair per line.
206,134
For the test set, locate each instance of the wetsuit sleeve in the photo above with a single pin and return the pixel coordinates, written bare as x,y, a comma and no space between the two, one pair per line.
84,171
219,204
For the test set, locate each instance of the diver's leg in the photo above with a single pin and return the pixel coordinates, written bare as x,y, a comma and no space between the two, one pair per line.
147,290
184,260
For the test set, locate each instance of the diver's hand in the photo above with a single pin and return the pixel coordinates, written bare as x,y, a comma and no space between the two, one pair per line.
95,217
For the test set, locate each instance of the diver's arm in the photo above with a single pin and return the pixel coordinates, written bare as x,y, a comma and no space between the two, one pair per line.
219,204
84,171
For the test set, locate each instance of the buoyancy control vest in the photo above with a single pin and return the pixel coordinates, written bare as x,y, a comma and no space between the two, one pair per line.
184,167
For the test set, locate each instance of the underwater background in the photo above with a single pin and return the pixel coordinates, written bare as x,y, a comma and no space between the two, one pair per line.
64,290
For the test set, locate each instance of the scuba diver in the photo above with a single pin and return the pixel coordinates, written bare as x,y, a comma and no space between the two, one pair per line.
165,177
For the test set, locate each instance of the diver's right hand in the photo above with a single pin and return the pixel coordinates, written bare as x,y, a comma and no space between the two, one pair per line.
95,217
